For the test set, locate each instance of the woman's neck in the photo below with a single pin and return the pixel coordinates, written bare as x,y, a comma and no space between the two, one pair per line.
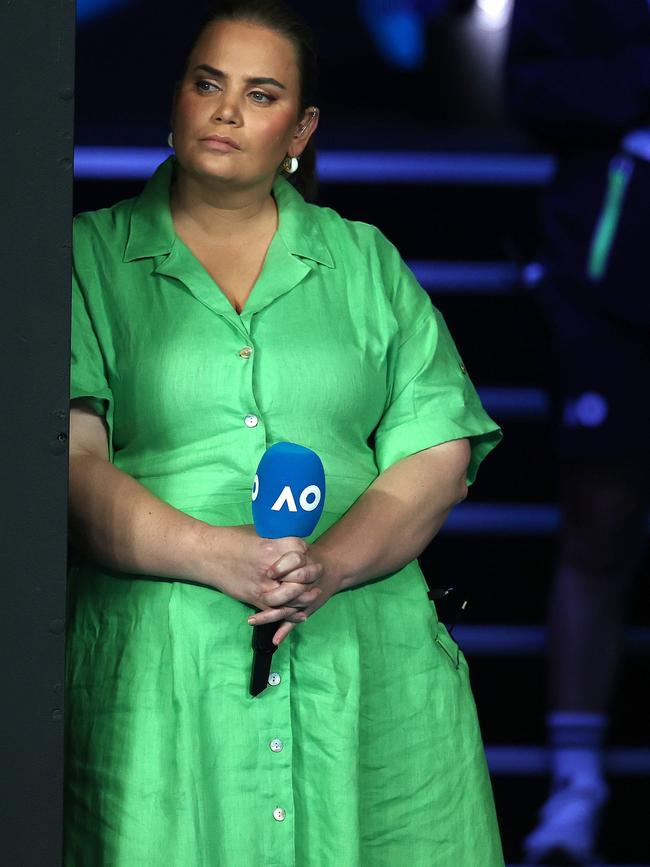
217,213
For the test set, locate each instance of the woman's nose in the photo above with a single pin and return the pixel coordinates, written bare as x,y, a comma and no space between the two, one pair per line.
227,110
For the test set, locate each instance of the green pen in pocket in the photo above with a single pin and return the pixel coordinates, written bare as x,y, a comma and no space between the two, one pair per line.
621,168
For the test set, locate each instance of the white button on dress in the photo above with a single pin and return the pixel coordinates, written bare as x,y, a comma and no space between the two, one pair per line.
279,814
251,421
276,745
246,352
274,678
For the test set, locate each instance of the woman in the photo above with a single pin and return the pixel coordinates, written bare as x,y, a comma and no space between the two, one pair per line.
215,314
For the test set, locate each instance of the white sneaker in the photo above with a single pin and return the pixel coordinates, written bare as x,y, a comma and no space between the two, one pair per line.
568,825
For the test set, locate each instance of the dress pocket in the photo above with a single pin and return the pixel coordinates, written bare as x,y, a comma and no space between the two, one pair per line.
448,646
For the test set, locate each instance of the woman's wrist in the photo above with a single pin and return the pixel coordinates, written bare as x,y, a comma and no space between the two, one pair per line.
336,571
208,547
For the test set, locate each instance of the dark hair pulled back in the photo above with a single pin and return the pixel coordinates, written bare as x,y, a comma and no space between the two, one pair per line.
280,17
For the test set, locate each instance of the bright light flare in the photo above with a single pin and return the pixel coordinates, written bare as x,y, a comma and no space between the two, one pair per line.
493,14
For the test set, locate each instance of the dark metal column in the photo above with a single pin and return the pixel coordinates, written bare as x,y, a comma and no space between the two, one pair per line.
36,145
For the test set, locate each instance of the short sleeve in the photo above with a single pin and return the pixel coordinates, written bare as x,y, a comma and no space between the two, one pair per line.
431,397
87,367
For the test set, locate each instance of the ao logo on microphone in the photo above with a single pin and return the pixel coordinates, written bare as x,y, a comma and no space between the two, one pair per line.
309,498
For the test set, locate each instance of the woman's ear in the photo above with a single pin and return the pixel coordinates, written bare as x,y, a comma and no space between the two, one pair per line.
307,127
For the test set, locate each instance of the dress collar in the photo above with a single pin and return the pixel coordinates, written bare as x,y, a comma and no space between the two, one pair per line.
151,230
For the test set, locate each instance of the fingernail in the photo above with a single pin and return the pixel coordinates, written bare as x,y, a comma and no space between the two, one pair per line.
251,619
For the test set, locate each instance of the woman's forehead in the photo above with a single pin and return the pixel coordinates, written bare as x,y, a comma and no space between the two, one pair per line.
246,49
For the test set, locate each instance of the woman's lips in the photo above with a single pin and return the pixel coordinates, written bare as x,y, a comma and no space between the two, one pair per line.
217,145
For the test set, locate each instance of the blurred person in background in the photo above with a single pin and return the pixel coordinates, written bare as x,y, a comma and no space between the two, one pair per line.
578,78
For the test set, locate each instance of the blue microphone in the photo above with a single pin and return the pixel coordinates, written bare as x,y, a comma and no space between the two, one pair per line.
288,497
288,492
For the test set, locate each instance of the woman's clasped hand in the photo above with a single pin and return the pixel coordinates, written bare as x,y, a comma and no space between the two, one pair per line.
285,578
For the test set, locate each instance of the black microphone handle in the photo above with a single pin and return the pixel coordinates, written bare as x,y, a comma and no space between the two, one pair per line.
263,637
263,649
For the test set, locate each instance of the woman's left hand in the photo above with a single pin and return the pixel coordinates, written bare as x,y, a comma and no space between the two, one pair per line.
288,573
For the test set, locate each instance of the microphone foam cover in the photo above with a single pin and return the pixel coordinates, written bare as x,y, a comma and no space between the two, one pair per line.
288,491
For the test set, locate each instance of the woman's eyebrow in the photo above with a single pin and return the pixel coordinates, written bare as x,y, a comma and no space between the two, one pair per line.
219,74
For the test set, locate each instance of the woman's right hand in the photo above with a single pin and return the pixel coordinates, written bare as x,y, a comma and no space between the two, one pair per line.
238,562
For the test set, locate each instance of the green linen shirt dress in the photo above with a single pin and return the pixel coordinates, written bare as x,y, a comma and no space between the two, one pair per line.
364,750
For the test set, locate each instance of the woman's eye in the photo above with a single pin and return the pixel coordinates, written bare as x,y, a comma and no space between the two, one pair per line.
265,95
204,86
